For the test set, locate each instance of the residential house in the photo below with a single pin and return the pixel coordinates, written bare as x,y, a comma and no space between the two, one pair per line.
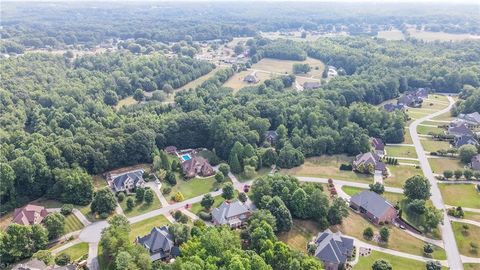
311,85
197,166
390,107
233,214
126,182
459,129
29,214
271,137
378,146
413,98
475,164
464,140
35,264
159,243
172,150
251,78
373,206
367,160
333,249
471,119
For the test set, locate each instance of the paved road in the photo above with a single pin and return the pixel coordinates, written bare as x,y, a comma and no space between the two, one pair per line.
453,256
468,221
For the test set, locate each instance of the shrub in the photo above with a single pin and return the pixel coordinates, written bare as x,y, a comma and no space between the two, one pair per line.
104,215
178,197
171,178
166,190
130,203
428,248
224,168
63,259
66,209
346,167
121,196
219,177
205,216
368,233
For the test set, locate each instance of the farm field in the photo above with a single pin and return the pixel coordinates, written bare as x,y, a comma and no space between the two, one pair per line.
76,251
328,167
398,263
301,233
139,208
145,226
431,145
297,36
464,195
389,196
441,36
426,130
193,84
236,81
444,163
401,151
465,237
399,174
393,34
195,187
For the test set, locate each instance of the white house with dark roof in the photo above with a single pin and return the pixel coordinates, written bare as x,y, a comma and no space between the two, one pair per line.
251,78
373,206
126,182
471,119
333,249
159,243
390,107
233,214
369,159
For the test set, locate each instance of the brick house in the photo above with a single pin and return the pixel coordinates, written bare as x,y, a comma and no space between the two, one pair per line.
374,207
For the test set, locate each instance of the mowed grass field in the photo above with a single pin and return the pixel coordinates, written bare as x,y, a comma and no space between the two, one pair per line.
286,66
145,226
464,238
139,208
195,187
398,263
76,251
72,223
399,174
471,216
197,207
236,81
441,36
426,130
401,151
441,164
431,145
464,195
471,266
301,233
328,167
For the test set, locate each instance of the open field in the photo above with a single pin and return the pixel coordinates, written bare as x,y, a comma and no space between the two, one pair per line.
301,233
419,220
296,35
195,187
399,174
354,225
401,151
465,237
464,195
286,66
139,208
72,223
471,216
398,263
262,172
236,81
431,145
76,251
444,117
145,226
426,130
444,163
193,84
471,266
430,104
328,167
125,102
389,196
393,34
417,114
441,36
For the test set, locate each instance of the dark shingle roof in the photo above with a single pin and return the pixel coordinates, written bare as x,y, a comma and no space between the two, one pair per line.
372,202
332,247
228,210
119,180
158,241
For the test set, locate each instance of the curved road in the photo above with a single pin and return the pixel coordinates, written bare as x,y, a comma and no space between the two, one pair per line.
453,256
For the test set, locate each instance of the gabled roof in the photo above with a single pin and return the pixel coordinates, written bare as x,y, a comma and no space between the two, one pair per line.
367,158
271,134
157,242
372,202
29,214
228,210
378,144
464,140
119,180
190,166
471,117
460,129
251,78
332,247
33,264
390,107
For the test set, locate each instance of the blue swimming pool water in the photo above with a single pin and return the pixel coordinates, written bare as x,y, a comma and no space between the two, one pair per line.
186,157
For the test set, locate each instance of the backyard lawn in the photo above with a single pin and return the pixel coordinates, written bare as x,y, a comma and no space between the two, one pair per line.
301,233
328,167
431,145
139,208
401,151
76,251
398,263
399,174
471,266
389,196
196,186
444,163
426,130
72,223
354,225
471,216
465,237
144,227
464,195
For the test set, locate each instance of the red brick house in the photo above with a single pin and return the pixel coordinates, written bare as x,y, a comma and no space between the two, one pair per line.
374,207
29,214
197,166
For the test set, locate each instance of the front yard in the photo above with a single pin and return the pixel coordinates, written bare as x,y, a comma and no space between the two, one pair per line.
399,174
464,195
139,208
444,163
72,224
401,151
144,227
471,216
300,235
196,207
431,145
426,130
328,167
195,187
76,251
464,238
262,172
398,263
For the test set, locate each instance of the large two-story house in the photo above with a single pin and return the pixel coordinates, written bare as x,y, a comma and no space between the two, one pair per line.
159,243
233,214
333,249
126,182
197,166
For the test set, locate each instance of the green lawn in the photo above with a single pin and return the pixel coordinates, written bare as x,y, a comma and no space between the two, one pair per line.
407,136
390,196
196,186
72,223
401,151
417,114
301,233
400,173
76,251
141,207
145,226
471,216
471,266
427,130
445,117
196,207
444,163
464,195
419,220
262,172
431,145
398,263
328,167
464,238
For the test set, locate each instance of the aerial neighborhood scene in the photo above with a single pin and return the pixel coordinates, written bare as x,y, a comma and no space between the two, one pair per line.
240,135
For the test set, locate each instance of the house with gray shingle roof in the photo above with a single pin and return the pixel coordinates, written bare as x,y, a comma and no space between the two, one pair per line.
373,206
369,160
333,249
458,129
251,78
475,164
378,146
464,140
233,214
471,119
159,243
126,182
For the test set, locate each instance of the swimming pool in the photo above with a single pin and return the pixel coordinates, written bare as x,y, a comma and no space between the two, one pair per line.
186,157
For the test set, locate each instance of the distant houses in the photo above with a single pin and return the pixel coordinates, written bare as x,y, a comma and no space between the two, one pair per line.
271,137
369,163
475,164
159,243
333,249
234,214
35,264
413,99
374,207
251,78
126,182
29,214
472,120
378,146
